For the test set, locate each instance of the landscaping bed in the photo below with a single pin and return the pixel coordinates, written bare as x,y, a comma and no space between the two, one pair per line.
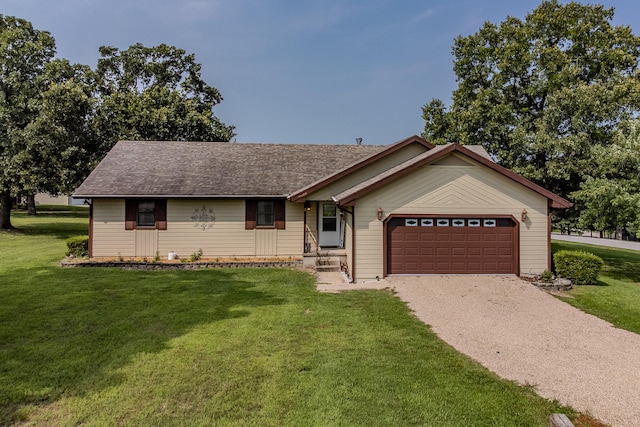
141,264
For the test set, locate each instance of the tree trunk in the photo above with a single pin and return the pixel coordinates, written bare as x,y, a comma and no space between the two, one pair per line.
5,210
31,204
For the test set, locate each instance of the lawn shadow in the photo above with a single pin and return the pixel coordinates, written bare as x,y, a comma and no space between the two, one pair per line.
51,223
68,333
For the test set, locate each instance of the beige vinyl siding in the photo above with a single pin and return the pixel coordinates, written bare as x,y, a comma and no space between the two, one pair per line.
227,237
379,166
451,189
109,236
290,242
223,237
146,243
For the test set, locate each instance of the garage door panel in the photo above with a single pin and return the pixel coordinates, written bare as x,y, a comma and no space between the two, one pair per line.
458,237
427,266
505,252
489,252
458,252
471,251
427,251
443,252
443,237
474,237
436,249
427,236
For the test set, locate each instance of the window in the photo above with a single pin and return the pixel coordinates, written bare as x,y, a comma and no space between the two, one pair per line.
265,214
329,221
146,214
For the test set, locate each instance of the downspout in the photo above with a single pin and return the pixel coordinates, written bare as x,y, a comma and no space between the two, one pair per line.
304,228
353,243
549,228
90,201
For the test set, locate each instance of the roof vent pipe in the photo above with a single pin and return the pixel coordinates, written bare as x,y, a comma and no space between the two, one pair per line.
358,141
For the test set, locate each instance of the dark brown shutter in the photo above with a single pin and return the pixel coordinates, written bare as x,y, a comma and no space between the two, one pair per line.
279,208
131,214
161,214
251,214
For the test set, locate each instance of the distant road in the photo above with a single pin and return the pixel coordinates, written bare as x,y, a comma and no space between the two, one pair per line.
622,244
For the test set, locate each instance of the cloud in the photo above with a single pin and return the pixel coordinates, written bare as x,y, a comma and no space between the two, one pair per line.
423,16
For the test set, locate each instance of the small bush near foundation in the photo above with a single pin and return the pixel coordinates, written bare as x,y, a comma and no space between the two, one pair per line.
196,255
78,246
546,276
583,267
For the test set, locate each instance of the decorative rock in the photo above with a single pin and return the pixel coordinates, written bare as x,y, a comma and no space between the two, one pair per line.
558,284
560,420
135,265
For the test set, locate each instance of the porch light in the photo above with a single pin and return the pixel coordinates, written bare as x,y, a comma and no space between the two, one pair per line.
307,206
380,212
523,215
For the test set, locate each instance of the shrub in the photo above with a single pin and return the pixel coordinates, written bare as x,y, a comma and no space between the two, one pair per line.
546,276
78,246
196,255
583,267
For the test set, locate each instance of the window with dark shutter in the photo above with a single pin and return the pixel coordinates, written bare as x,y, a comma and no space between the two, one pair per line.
145,214
279,209
131,212
251,207
161,214
265,214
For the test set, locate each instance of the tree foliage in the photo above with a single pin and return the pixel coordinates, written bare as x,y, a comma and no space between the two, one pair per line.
540,94
57,120
24,55
154,93
610,198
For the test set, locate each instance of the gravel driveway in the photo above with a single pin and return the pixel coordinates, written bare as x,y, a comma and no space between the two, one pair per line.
523,334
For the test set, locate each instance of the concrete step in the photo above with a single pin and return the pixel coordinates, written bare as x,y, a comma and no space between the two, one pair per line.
328,267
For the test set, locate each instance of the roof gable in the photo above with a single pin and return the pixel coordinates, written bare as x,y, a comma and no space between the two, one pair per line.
349,196
301,193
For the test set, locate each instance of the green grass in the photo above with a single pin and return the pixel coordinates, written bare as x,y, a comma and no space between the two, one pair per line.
616,297
223,347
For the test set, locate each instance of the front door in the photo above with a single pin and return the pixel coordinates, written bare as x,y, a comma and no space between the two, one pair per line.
329,233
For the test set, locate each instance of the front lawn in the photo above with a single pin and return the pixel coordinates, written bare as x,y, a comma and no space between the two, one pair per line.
616,298
223,347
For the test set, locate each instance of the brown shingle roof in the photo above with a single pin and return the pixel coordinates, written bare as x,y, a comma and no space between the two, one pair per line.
200,169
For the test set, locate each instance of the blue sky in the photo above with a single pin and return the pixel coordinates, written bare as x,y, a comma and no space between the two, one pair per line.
323,71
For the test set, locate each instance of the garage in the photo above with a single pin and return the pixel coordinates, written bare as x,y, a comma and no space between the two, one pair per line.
452,245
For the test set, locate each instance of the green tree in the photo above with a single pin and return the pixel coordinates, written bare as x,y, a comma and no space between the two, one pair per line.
154,93
610,199
58,143
24,55
540,94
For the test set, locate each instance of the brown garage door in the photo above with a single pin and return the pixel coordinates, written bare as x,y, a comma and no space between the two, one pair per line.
447,245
